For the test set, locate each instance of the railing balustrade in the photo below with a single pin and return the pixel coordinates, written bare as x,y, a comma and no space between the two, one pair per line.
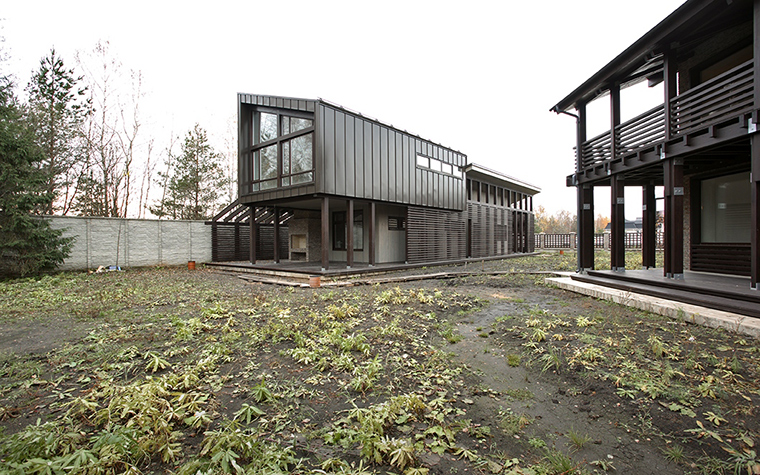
719,99
601,240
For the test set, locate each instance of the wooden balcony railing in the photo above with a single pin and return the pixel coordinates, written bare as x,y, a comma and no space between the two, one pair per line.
719,99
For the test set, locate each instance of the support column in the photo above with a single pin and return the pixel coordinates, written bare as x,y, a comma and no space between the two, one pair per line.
755,210
349,233
673,174
614,119
252,235
649,224
371,228
325,233
617,219
755,159
276,235
670,87
586,227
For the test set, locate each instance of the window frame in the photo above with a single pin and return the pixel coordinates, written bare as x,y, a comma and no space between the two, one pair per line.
283,180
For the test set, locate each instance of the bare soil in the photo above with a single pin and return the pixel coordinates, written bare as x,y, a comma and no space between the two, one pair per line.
486,374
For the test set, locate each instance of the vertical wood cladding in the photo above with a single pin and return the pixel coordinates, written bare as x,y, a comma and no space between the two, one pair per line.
435,235
490,230
364,159
231,242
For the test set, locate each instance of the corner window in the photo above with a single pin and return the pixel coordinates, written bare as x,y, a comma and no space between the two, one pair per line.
284,158
340,228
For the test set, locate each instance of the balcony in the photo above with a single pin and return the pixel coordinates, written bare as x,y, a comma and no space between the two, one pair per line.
714,111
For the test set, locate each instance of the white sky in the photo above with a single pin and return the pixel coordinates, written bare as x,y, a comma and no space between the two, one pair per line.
476,76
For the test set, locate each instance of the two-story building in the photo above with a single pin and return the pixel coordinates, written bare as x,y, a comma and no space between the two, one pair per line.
331,186
700,144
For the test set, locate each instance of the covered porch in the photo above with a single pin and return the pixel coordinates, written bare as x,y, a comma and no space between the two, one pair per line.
717,291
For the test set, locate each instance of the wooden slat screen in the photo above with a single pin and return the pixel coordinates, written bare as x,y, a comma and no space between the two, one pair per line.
435,235
231,241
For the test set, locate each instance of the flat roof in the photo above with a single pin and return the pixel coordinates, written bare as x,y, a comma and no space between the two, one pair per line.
475,170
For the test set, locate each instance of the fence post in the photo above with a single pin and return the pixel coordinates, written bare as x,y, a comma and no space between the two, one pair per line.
573,241
607,241
542,240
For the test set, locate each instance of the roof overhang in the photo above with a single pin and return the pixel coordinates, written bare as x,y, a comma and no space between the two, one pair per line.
476,171
640,60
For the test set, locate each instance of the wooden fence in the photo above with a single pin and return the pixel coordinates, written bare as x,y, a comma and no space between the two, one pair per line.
601,241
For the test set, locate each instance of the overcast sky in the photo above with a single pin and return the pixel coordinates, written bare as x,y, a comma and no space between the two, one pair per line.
475,76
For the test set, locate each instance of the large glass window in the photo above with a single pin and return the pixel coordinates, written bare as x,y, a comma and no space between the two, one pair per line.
339,230
288,160
726,209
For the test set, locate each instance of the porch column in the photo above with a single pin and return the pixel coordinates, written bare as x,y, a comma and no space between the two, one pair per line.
252,235
325,233
586,228
371,228
673,174
276,235
585,235
670,83
617,219
649,223
755,210
349,233
755,160
614,119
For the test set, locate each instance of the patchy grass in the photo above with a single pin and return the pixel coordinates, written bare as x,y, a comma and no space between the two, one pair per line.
172,371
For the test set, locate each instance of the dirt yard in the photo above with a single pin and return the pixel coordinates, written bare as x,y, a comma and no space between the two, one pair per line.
186,372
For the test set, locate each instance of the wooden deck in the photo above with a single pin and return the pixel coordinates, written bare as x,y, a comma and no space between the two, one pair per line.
303,270
721,292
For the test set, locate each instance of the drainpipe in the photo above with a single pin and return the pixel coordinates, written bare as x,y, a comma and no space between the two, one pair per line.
579,203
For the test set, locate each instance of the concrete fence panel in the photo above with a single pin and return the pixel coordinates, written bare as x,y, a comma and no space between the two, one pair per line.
133,242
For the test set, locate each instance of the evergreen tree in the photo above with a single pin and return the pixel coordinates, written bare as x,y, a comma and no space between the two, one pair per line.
57,109
27,243
195,182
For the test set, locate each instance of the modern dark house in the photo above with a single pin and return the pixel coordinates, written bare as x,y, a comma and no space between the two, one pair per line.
330,186
701,144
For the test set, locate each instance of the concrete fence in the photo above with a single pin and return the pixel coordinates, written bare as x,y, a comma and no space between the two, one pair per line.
133,242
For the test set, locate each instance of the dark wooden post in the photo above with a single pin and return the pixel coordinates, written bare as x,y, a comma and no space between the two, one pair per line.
755,209
673,174
349,233
252,235
371,227
649,225
755,158
614,119
585,236
617,218
670,68
325,233
276,235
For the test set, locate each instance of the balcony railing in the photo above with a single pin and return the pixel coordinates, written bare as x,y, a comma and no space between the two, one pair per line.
717,100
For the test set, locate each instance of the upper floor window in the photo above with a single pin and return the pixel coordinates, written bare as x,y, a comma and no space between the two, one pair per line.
282,151
438,166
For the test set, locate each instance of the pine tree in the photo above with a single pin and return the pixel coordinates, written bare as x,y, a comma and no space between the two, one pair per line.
57,109
27,243
195,182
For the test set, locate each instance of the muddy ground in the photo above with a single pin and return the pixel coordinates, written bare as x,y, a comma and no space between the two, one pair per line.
172,371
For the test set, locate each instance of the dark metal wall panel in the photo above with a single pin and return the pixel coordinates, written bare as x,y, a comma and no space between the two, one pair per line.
328,142
350,159
358,141
361,158
340,154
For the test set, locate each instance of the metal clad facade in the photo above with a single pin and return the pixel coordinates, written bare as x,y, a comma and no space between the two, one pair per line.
364,159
